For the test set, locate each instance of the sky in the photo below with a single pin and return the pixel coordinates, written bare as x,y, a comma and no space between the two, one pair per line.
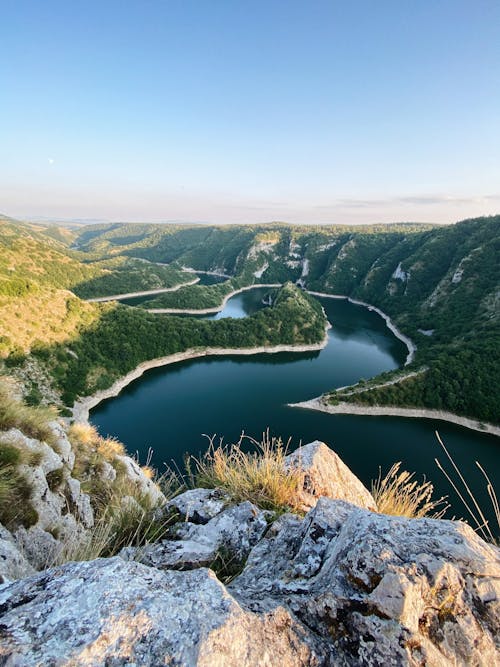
310,111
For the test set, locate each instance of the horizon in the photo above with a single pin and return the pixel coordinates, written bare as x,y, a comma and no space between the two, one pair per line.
199,113
84,222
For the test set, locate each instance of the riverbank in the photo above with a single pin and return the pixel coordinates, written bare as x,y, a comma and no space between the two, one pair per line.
188,269
321,405
81,408
151,292
209,311
412,348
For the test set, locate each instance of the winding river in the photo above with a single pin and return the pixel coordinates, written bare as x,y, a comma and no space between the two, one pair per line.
169,409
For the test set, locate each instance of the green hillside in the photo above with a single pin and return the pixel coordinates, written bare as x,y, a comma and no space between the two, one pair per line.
62,347
441,286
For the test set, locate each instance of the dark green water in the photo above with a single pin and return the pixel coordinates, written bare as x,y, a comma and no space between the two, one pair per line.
243,304
169,408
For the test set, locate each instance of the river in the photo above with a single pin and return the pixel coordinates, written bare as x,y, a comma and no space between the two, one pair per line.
169,409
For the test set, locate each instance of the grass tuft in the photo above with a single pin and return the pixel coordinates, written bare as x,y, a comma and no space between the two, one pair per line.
123,514
110,447
259,476
399,494
127,519
462,489
33,422
15,492
83,435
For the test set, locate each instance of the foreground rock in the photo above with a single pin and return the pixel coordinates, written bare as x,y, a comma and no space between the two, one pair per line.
108,612
225,540
383,590
325,474
342,586
13,564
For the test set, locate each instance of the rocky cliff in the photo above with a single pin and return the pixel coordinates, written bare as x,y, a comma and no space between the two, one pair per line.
64,485
232,584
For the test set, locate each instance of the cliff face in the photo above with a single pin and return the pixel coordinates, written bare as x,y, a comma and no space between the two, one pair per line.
58,514
343,585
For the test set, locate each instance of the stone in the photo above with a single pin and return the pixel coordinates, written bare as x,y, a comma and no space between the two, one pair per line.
145,485
385,590
49,460
108,612
79,503
39,547
343,585
49,505
63,445
229,536
106,472
13,564
325,474
198,505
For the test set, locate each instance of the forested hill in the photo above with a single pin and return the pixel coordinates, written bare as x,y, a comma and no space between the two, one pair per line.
428,278
441,284
60,347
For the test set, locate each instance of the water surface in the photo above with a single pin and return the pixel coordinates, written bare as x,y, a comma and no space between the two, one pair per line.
170,408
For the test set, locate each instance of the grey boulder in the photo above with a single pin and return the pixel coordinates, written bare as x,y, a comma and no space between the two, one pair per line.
325,474
108,612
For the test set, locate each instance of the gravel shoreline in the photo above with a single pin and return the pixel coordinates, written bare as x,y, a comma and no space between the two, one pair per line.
130,295
380,411
208,311
412,348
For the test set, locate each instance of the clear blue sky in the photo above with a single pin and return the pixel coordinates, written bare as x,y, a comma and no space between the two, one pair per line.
247,111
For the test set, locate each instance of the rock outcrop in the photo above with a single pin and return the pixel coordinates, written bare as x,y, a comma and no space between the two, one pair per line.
343,585
227,537
383,590
325,474
61,512
108,612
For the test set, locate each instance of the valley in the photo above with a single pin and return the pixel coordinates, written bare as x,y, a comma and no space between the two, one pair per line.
442,280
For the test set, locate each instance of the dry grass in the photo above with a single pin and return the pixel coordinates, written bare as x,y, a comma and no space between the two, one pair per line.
45,315
110,448
87,438
461,487
399,494
258,476
123,512
82,434
127,520
14,413
15,492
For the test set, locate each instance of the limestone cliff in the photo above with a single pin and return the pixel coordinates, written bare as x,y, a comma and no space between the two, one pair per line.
57,515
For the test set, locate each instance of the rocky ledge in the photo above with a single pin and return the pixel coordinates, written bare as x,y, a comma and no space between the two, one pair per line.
234,585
